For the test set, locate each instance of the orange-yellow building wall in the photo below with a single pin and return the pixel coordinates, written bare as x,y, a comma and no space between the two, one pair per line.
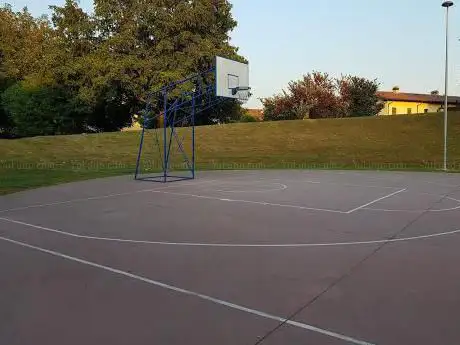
402,108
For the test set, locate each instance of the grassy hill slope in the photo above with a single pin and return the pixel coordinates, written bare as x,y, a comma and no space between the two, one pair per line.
400,142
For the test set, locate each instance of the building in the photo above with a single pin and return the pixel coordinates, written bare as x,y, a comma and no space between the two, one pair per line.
258,114
399,103
135,126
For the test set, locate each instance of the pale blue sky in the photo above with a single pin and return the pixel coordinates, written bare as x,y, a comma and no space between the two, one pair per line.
399,42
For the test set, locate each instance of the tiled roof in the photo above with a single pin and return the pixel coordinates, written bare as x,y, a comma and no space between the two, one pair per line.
416,97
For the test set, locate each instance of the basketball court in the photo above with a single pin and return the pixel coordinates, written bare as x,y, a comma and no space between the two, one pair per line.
243,257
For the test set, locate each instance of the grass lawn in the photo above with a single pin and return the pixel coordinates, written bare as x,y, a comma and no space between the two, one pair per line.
412,142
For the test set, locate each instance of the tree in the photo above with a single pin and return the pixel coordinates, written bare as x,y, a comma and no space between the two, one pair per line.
280,107
127,49
317,95
5,119
23,42
108,61
39,110
71,64
146,44
226,112
314,96
359,95
6,123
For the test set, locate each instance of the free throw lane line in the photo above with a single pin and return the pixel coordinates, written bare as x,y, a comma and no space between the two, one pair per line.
263,203
191,293
376,200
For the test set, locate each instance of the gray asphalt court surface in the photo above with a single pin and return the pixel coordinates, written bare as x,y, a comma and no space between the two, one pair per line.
241,257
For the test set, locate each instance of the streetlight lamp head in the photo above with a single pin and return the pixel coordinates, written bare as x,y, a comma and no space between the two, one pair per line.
447,4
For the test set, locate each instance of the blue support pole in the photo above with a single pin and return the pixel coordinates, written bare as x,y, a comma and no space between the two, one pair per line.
181,148
140,151
172,124
165,134
141,145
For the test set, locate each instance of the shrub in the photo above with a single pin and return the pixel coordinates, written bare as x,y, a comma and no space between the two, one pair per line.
42,110
247,118
5,119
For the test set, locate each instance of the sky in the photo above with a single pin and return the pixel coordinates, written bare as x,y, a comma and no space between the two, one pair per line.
397,42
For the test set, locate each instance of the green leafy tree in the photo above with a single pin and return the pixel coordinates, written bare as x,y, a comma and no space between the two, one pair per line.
147,44
5,120
23,42
229,111
359,95
66,62
76,65
38,110
127,49
101,66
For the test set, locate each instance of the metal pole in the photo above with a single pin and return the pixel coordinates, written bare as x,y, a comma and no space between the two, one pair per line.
140,152
447,5
139,155
446,90
193,136
165,134
172,124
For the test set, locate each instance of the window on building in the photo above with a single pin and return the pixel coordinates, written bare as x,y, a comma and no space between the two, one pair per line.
394,111
409,111
426,111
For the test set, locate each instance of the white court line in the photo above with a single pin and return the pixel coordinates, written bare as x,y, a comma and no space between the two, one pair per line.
441,184
76,200
405,174
263,203
331,183
282,187
101,197
376,200
231,245
194,294
417,211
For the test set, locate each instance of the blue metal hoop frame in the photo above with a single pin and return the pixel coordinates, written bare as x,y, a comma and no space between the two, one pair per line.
202,97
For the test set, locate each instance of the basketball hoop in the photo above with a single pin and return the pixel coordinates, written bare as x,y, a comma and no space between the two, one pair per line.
226,80
242,93
232,79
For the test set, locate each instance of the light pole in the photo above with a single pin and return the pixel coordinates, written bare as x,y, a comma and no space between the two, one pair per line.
447,5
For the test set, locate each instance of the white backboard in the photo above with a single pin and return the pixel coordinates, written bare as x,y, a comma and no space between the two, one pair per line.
230,74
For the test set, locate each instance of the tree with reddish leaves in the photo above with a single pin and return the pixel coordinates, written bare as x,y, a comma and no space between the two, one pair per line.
317,95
